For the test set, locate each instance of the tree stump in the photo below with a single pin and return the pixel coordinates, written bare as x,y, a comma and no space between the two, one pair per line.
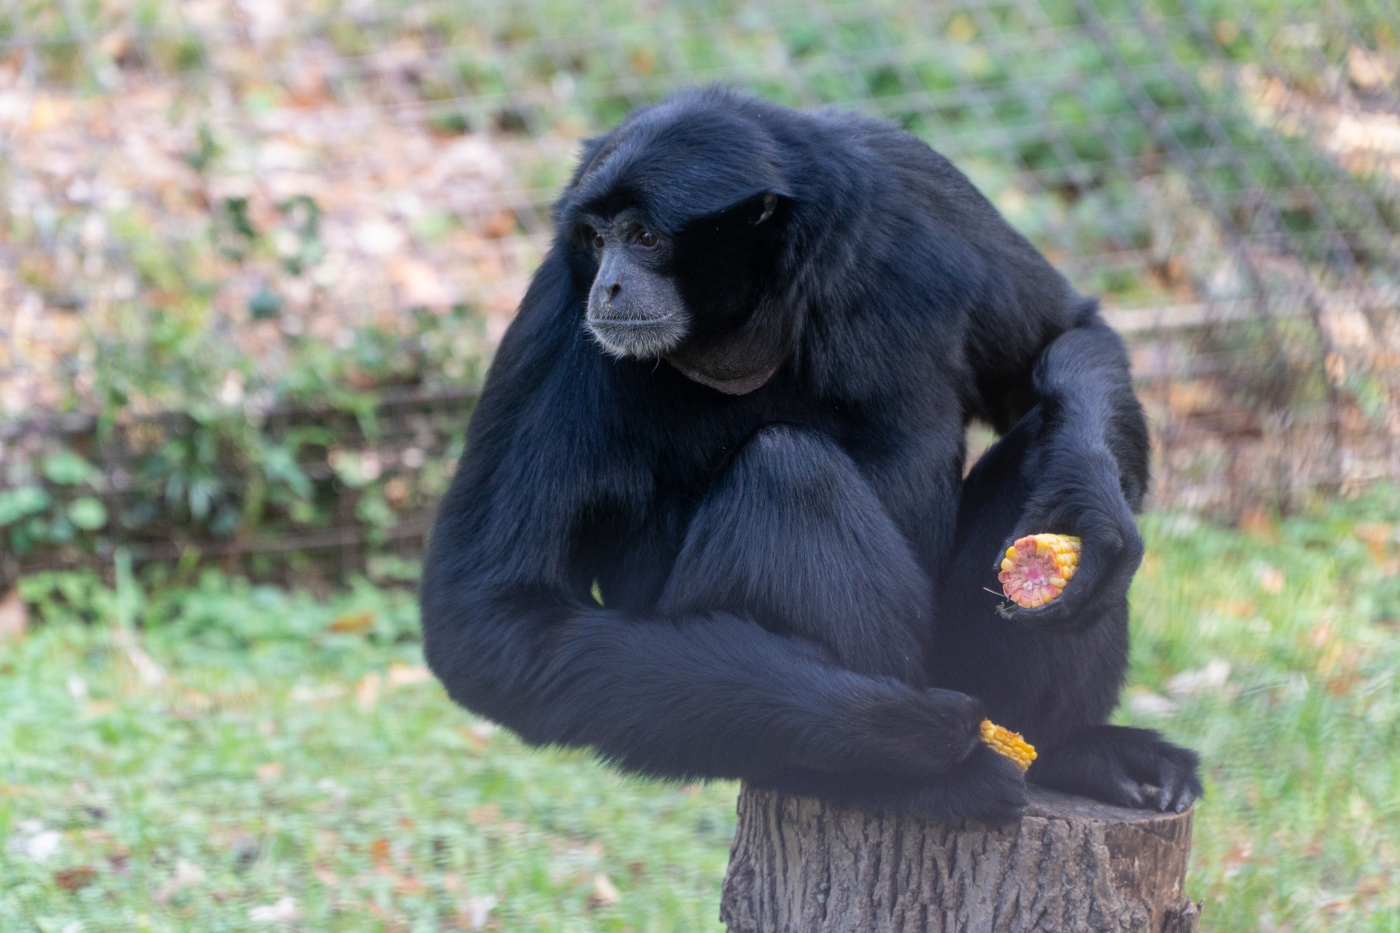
800,866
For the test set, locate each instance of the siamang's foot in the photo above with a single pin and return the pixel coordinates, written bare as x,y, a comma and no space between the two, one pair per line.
1128,767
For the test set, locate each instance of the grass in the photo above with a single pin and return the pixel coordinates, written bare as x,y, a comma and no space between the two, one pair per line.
292,750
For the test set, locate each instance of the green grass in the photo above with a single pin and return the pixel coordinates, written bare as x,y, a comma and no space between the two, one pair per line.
282,758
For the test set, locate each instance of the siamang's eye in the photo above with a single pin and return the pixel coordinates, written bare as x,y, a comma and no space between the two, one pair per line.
647,239
593,238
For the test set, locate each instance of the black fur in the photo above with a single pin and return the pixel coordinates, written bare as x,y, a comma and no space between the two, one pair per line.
793,577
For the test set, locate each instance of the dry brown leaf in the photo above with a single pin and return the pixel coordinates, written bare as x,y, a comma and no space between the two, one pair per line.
409,885
605,893
420,286
270,771
96,709
1271,580
379,849
1236,608
1378,538
353,623
73,879
1260,524
14,616
485,815
367,691
186,874
405,675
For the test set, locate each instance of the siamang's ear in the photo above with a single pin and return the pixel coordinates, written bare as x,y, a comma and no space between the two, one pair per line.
764,204
769,202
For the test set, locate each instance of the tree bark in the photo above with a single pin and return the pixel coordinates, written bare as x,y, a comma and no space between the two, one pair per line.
1070,864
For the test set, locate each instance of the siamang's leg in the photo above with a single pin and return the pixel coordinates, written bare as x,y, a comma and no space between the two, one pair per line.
1129,767
1057,688
793,537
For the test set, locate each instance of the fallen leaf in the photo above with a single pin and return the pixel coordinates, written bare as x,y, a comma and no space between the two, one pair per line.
41,845
1377,537
353,623
14,616
283,911
73,879
1271,579
1147,703
1260,524
379,849
303,693
1236,608
405,675
367,692
500,224
96,709
1187,683
420,286
186,873
270,771
408,885
1321,634
475,911
605,893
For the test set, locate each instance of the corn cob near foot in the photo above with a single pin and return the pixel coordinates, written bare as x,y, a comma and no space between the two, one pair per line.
1008,743
1037,568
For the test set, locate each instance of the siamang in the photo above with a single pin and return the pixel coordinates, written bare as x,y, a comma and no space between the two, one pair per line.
712,518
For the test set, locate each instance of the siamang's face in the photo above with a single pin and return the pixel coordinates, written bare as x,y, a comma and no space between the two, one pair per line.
635,307
654,289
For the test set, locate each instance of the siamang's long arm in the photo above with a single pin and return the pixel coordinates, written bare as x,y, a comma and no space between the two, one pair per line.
1083,383
509,629
1087,470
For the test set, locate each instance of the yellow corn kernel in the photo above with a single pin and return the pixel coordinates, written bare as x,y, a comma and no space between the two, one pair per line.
1037,568
1008,743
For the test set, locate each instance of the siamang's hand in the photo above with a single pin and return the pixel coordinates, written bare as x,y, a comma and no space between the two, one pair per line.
986,786
983,786
918,733
1075,490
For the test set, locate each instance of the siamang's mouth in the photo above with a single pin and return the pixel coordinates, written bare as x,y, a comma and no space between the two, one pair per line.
639,338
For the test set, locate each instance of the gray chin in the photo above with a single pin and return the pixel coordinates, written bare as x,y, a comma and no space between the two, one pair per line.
647,340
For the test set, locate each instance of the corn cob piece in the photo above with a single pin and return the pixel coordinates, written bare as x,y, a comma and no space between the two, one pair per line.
1037,568
1008,743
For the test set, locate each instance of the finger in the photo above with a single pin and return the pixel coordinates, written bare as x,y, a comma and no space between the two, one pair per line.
1171,784
1121,789
1183,800
1191,791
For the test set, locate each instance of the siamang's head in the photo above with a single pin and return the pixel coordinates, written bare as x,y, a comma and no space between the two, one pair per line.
676,224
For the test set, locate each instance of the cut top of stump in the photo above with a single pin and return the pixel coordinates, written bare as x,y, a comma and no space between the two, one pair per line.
1070,864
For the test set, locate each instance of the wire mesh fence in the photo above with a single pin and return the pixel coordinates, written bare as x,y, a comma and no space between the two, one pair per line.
230,205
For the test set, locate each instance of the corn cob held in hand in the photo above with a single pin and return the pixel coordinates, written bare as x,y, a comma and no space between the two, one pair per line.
1037,568
1008,743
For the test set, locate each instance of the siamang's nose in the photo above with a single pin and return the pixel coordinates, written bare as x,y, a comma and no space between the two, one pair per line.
613,289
